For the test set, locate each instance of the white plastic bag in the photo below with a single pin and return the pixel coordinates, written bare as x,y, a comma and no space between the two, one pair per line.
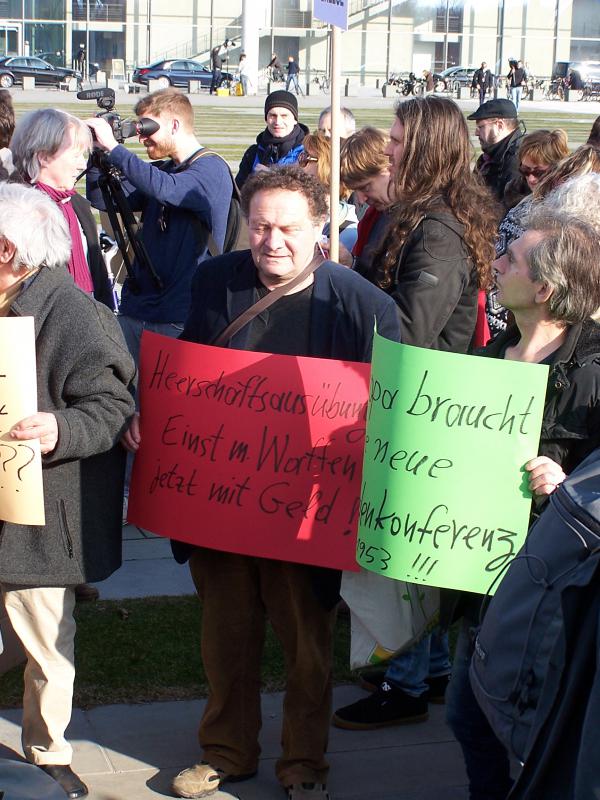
387,616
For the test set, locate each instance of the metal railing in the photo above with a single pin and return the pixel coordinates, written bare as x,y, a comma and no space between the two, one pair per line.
200,49
99,11
291,18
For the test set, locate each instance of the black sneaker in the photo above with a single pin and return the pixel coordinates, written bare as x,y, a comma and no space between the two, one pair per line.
371,679
386,706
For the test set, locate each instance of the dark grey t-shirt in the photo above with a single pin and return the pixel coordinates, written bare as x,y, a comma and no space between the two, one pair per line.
284,327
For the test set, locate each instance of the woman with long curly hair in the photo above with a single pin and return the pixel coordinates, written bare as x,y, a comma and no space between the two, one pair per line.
434,260
439,246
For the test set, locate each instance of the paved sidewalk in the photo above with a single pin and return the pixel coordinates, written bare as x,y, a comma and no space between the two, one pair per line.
132,752
148,569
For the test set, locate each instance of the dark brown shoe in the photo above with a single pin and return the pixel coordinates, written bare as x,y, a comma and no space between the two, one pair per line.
84,593
71,783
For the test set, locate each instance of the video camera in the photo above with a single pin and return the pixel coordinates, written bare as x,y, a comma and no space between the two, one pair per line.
122,128
124,225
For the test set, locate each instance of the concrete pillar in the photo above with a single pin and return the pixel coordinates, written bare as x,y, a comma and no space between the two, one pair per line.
253,12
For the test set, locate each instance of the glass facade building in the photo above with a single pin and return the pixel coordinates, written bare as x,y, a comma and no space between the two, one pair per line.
383,35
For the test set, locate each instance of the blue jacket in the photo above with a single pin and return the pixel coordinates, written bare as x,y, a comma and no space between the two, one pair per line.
282,152
202,190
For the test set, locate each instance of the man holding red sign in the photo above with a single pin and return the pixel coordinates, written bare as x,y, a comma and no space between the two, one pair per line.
315,309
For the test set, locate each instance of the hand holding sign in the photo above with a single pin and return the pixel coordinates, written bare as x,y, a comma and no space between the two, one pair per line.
42,426
445,500
544,475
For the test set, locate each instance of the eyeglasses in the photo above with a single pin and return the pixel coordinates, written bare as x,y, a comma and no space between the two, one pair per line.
484,123
304,159
537,172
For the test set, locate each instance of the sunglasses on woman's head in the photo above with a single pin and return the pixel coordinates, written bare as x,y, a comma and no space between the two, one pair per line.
304,159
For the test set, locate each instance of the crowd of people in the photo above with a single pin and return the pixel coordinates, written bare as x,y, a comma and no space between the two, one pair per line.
502,260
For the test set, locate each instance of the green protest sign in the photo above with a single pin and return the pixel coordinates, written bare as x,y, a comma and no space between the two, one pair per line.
444,497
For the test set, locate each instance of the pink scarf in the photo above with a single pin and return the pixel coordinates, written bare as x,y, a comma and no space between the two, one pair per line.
77,266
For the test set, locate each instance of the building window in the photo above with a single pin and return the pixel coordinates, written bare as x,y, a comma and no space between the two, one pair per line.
99,10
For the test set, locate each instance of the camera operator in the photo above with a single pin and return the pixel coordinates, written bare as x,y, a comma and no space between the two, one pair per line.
177,197
50,149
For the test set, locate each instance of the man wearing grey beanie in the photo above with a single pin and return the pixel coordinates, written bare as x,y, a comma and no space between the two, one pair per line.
280,142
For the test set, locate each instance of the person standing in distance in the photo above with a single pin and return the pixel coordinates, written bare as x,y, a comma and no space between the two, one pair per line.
293,70
281,141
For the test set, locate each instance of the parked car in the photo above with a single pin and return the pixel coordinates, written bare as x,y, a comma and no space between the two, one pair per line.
57,59
448,80
14,68
176,73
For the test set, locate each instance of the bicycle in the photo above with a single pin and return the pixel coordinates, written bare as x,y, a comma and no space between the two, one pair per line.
555,90
274,75
323,82
590,91
394,80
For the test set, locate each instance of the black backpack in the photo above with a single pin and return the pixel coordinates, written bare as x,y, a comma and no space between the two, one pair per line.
236,231
523,629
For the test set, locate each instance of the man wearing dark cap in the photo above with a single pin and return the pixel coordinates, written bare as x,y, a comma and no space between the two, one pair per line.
499,133
280,142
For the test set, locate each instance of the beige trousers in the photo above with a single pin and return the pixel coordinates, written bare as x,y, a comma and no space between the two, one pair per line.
42,618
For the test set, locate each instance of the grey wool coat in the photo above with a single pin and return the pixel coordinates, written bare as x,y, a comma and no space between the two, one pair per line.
84,372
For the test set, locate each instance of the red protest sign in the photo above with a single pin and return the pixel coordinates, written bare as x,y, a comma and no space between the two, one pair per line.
250,452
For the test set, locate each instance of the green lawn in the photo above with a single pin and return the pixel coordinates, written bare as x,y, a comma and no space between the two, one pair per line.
231,130
138,651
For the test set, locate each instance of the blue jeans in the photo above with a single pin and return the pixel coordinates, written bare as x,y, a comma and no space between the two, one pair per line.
292,79
515,95
217,78
428,657
132,329
486,759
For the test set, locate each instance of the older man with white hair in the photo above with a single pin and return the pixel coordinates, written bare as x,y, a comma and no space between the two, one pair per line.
84,371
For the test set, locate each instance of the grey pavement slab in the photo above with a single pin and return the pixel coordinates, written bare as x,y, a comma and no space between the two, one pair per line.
133,752
148,569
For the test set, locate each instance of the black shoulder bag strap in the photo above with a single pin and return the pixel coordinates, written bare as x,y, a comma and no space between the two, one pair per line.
222,339
203,233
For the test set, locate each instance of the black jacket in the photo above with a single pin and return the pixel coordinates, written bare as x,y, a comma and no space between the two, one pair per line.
435,286
344,308
500,163
516,77
571,422
570,425
483,77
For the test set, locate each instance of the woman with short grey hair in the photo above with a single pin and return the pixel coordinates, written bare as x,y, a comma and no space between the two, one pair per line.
50,149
